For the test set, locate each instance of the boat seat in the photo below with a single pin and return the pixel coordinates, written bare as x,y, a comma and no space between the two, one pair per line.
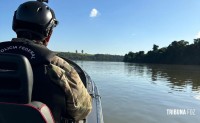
34,112
16,83
16,79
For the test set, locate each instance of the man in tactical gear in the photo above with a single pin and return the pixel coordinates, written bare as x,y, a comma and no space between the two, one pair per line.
56,82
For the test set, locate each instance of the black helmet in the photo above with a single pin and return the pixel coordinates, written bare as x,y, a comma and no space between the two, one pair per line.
34,17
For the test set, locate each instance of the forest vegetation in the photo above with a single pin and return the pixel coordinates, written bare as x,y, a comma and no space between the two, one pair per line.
178,52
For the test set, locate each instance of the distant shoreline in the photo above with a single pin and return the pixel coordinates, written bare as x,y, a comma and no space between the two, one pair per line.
91,57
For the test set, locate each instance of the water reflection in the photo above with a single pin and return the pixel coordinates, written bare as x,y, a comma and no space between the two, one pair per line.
132,68
142,93
178,77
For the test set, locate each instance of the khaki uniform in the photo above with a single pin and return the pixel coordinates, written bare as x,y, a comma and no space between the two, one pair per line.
79,103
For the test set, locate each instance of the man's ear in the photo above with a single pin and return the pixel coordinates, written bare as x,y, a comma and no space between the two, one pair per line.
46,40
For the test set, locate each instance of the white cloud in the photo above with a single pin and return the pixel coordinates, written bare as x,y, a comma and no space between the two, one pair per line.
94,12
198,35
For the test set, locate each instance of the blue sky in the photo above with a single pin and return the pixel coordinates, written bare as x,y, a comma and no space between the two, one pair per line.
114,26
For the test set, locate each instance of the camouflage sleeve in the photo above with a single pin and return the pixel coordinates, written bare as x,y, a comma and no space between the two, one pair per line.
79,102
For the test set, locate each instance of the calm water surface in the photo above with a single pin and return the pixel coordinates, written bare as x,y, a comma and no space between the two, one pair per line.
143,93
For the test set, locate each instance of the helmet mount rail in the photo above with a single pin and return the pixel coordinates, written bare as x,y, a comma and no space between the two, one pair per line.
43,1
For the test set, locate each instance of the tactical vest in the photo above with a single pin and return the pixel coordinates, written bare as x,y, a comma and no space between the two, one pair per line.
44,90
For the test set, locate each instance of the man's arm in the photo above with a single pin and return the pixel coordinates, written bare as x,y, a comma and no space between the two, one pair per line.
79,102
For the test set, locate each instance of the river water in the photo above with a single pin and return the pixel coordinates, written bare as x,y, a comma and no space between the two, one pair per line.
147,93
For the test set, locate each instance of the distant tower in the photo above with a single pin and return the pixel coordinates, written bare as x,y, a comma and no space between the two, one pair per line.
76,51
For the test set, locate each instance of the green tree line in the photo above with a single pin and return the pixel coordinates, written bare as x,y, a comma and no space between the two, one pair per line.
91,57
178,52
